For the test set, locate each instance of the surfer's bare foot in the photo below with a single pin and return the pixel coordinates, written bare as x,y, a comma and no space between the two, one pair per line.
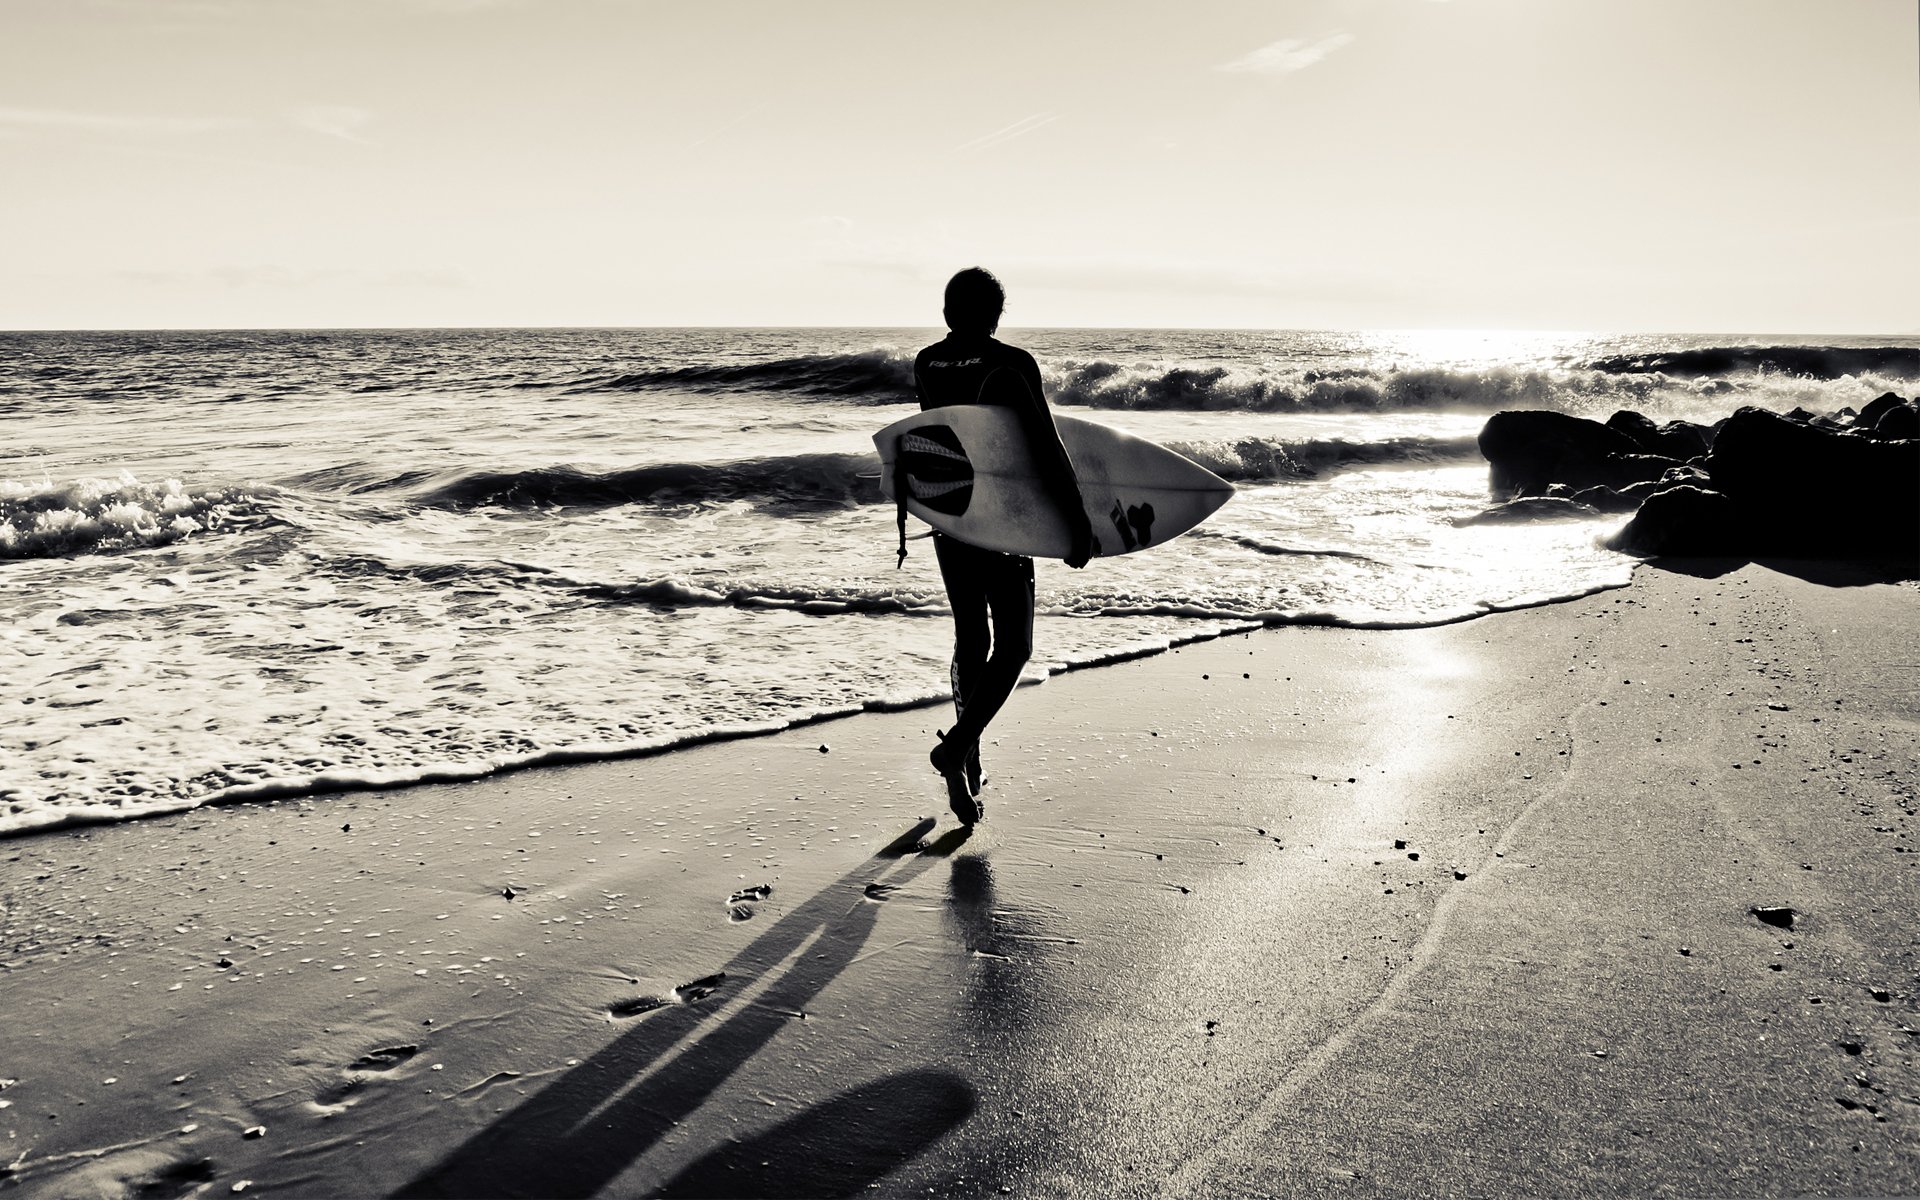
948,759
976,779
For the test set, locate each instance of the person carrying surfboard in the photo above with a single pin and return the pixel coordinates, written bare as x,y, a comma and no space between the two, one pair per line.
991,594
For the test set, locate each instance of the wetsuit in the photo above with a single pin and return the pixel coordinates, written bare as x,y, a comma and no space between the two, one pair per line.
991,593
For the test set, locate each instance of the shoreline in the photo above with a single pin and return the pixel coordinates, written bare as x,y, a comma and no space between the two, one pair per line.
1182,954
342,782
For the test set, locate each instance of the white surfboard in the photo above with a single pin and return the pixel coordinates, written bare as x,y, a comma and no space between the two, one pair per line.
968,473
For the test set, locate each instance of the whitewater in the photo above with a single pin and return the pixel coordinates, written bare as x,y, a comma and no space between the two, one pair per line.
253,564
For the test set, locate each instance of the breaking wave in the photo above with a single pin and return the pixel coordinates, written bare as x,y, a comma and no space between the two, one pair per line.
885,376
1257,459
107,516
879,375
804,481
1811,362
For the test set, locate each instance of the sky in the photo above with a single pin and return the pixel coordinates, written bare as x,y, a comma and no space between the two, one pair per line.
1681,165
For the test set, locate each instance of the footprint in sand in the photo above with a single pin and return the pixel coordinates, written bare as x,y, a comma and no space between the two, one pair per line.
686,993
636,1006
700,988
740,904
880,893
144,1171
373,1062
384,1059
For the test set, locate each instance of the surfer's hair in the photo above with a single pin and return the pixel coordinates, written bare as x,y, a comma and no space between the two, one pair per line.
975,301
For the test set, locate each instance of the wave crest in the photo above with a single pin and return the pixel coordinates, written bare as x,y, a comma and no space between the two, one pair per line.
802,482
106,516
1102,384
802,479
1257,459
879,375
1811,362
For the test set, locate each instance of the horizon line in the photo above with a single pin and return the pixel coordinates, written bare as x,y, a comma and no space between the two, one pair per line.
1503,329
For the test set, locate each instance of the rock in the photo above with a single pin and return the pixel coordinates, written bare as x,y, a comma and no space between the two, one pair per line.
1639,468
1638,492
1683,440
1636,426
1804,490
1681,520
1606,499
1878,407
1529,508
1527,450
1689,473
1675,439
1900,422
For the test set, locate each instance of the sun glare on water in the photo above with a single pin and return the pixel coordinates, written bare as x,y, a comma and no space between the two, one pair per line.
1474,347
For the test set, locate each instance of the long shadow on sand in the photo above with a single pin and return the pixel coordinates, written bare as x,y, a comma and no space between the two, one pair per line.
580,1132
837,1148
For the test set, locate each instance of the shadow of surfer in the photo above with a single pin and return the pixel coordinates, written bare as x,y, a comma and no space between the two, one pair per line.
991,594
579,1133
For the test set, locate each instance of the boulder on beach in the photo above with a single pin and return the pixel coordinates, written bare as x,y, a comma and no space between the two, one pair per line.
1676,439
1527,449
1809,490
1898,423
1607,500
1879,407
1642,468
1782,486
1682,520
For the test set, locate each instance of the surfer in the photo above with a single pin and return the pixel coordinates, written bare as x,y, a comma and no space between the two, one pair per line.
991,594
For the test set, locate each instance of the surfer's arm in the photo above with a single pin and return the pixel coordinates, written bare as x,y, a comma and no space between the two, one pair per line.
1056,465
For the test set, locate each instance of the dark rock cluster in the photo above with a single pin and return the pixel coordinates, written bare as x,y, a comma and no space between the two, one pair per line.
1757,484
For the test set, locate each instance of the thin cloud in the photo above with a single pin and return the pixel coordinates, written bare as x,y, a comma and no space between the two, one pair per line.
288,278
752,110
1287,55
1020,128
225,9
333,120
462,6
47,118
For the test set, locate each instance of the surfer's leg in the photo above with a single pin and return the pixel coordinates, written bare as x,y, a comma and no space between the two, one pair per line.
1008,585
961,569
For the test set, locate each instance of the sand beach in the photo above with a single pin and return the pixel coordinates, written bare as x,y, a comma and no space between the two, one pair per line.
468,670
1496,907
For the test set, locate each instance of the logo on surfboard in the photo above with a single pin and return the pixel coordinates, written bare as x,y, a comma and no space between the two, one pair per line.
1135,524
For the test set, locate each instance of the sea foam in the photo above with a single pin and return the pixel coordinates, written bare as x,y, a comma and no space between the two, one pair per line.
101,516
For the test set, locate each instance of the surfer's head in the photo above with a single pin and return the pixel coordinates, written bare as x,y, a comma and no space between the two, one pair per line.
975,300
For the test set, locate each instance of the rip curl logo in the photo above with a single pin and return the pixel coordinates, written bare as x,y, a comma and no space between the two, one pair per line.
1135,524
944,363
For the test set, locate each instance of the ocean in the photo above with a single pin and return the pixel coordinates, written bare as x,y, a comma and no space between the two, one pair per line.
253,564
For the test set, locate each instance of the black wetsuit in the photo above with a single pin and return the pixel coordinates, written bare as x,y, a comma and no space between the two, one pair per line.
991,593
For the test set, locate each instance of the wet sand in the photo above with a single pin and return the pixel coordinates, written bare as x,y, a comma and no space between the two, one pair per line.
1493,908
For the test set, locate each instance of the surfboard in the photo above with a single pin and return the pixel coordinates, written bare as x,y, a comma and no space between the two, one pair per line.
968,472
